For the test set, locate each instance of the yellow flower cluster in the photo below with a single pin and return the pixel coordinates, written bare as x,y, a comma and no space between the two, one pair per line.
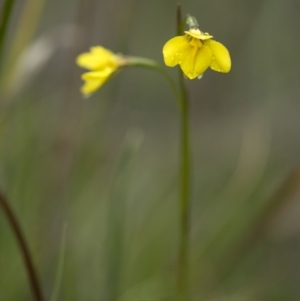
195,52
102,64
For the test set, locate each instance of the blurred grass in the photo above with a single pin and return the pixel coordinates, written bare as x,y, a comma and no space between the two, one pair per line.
58,155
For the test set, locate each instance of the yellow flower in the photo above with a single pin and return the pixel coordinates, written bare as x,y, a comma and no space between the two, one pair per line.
195,52
102,63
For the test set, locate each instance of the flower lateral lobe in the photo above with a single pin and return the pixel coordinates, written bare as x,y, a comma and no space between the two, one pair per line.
175,49
195,51
97,58
94,80
102,64
221,61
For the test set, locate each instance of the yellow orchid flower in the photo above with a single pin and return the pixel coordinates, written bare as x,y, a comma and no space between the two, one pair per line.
102,63
195,52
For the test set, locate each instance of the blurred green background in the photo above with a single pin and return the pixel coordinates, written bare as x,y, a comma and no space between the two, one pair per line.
107,167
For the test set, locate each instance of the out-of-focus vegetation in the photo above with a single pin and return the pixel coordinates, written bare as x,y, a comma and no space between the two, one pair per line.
108,166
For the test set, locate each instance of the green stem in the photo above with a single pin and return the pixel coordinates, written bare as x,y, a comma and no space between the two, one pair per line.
6,12
185,184
185,199
15,226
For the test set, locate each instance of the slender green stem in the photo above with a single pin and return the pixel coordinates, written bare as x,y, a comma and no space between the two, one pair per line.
4,18
185,184
185,200
15,226
4,204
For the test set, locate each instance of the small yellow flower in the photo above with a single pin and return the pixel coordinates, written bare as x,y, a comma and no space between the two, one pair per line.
102,63
195,52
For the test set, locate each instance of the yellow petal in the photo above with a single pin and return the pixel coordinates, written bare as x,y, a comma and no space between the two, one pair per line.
105,73
97,58
94,80
91,86
175,49
221,61
196,61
